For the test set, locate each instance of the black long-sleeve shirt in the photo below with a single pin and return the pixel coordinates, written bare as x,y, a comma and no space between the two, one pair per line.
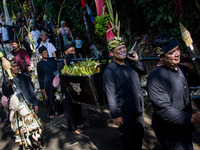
23,83
68,58
169,93
122,87
45,70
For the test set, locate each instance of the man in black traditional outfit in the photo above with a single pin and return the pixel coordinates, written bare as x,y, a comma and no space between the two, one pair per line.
122,86
168,88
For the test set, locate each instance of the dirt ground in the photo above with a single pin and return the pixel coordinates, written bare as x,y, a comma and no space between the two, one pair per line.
99,133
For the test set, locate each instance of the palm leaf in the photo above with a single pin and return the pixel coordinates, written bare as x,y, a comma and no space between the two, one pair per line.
118,33
111,23
109,6
116,19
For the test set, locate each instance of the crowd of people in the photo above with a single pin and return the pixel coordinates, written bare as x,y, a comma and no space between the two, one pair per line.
168,84
39,24
36,52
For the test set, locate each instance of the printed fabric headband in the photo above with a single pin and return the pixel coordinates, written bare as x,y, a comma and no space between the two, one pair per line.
114,42
166,48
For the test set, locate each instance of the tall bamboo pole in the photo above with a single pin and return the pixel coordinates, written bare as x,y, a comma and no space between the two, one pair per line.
33,6
87,28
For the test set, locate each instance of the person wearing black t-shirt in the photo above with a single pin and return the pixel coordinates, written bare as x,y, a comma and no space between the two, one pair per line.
45,69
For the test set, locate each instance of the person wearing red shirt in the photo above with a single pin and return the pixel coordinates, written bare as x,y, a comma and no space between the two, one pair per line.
21,56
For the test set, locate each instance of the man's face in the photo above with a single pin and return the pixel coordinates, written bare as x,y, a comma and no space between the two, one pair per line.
70,50
119,52
43,37
171,58
64,24
25,33
15,45
33,28
15,69
44,54
55,31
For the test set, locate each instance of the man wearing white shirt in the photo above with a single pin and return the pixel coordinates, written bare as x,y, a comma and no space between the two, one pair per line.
50,47
4,37
4,33
36,34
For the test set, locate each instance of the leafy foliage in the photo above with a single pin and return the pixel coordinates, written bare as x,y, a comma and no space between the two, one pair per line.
101,25
164,16
158,14
25,7
136,17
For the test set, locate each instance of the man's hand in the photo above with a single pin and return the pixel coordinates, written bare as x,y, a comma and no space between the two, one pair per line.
135,58
196,118
29,69
189,65
43,92
118,121
54,55
9,80
36,109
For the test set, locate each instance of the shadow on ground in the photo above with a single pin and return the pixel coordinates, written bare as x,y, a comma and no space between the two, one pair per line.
99,133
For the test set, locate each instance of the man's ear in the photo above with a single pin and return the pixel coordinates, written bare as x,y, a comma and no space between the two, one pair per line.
40,54
160,57
111,52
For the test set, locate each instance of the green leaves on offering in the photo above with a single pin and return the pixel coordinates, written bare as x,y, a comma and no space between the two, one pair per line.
103,20
115,23
101,25
83,68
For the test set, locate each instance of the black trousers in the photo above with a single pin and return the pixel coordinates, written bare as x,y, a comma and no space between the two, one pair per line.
59,107
132,133
173,143
55,105
73,112
51,99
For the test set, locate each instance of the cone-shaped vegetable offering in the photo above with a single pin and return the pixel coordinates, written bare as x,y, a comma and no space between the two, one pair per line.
6,65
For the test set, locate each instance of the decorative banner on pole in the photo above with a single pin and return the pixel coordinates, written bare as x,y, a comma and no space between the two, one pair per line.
99,6
83,3
90,13
7,17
